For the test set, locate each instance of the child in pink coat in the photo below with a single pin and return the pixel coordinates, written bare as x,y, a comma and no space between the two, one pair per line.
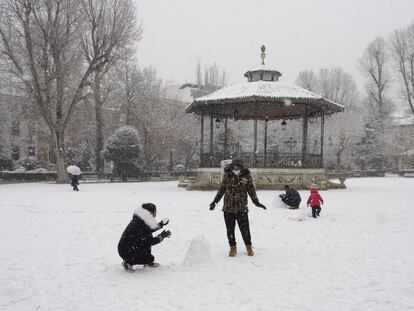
315,201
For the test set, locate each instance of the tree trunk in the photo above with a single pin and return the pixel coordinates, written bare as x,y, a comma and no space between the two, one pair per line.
338,160
99,140
58,145
99,123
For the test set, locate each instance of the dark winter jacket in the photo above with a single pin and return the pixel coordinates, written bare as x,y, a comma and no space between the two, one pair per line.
235,189
315,198
75,180
292,197
137,239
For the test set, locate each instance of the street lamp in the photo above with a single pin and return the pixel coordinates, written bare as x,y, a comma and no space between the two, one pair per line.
218,123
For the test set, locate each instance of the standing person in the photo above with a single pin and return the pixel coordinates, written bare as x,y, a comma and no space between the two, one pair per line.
237,183
291,197
315,201
75,182
134,247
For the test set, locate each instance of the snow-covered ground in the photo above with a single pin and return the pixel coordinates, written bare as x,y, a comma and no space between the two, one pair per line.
58,250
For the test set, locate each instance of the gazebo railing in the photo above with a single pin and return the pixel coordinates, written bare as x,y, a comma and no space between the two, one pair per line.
273,160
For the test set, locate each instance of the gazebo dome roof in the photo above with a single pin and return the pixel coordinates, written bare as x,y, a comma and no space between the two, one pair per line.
263,97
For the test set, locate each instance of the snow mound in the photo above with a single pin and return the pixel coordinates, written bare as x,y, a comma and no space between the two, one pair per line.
19,170
40,170
198,251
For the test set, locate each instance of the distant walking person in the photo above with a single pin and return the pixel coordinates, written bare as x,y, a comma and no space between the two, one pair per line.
237,183
291,197
75,182
315,201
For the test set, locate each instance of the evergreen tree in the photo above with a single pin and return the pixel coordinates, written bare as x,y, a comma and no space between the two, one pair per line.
368,149
124,149
232,146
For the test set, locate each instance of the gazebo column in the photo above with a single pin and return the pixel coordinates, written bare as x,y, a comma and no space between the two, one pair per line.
255,142
225,139
265,144
202,141
322,136
211,140
305,138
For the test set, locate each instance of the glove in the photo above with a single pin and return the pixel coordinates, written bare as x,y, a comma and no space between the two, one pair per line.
212,206
164,222
258,204
164,234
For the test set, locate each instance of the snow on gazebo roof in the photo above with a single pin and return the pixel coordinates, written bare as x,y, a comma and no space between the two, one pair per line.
263,68
262,89
286,100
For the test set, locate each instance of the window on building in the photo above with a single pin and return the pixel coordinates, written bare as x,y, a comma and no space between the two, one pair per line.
15,128
15,153
31,151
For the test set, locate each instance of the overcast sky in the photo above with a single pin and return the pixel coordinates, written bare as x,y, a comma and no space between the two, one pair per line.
298,34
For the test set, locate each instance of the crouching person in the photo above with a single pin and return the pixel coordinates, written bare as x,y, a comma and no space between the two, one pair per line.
291,198
135,244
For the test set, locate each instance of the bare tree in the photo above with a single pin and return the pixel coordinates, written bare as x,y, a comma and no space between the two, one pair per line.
374,66
402,54
308,80
223,78
199,73
338,86
46,47
214,77
109,23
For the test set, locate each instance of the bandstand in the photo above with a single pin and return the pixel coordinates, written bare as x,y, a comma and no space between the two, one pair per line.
263,98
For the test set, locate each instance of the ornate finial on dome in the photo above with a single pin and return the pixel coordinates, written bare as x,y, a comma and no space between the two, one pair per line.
263,54
262,72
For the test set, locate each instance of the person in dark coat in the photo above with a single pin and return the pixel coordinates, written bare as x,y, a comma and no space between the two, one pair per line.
75,182
291,197
237,183
134,247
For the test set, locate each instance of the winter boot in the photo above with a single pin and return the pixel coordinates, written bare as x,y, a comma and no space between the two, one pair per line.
153,265
249,249
233,251
127,266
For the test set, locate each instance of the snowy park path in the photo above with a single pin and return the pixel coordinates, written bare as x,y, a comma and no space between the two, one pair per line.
58,250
